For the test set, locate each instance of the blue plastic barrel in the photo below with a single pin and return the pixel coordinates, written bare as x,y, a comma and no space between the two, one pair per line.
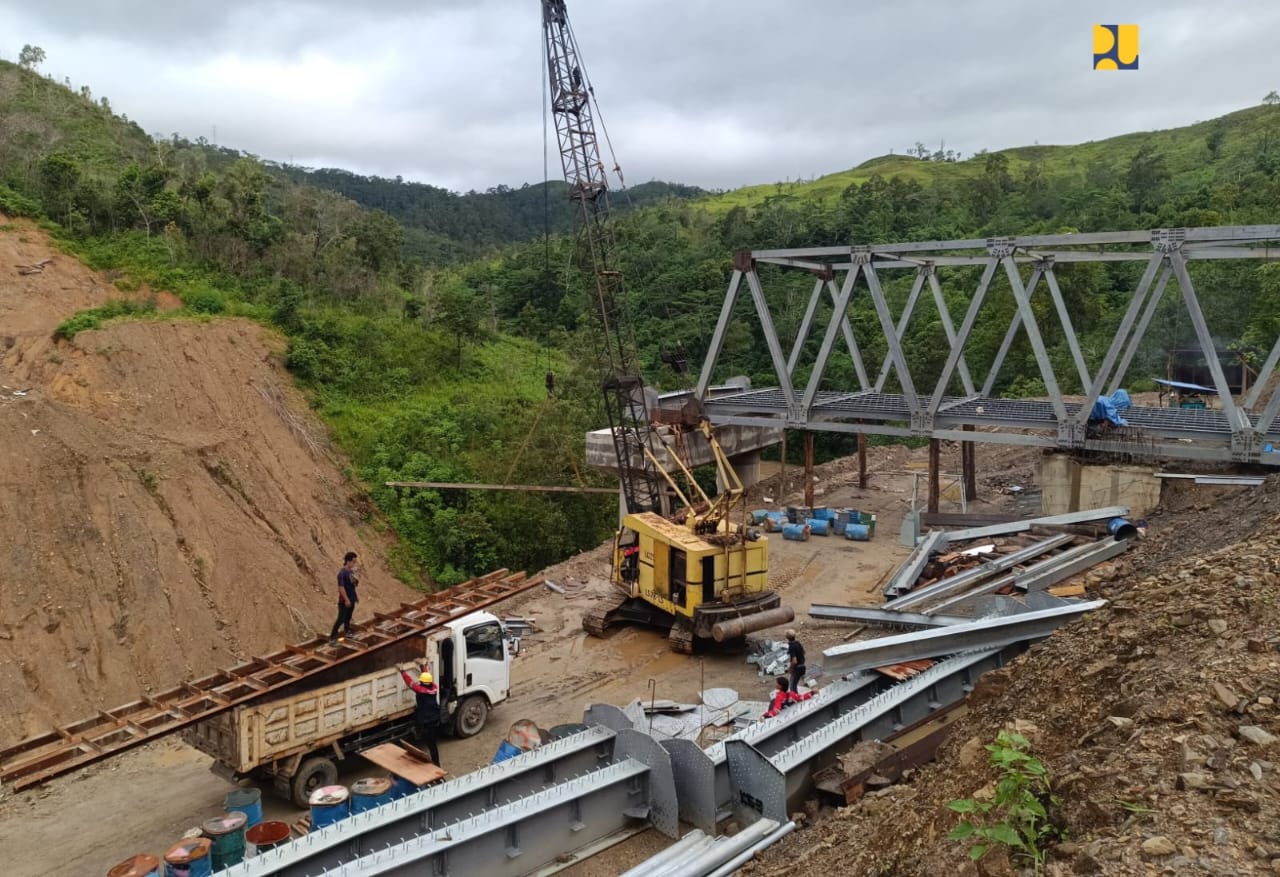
775,521
758,516
824,514
505,752
1121,529
857,532
189,857
400,787
247,801
329,804
369,793
796,532
227,834
141,865
819,526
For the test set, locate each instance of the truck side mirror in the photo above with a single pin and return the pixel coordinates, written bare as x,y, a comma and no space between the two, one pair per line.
513,643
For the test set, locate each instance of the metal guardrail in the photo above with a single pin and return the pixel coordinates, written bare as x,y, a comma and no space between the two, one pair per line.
560,797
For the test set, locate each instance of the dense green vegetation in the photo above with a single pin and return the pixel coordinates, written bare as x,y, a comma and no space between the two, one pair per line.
407,364
444,226
429,366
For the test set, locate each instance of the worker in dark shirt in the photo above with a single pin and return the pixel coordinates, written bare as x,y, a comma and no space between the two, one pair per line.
347,598
795,651
427,715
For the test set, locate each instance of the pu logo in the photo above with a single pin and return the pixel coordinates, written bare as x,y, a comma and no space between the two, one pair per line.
1115,47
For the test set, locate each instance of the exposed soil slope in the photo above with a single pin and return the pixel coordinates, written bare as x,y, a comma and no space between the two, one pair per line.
167,503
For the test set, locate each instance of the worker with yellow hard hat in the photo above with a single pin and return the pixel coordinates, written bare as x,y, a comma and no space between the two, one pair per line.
427,715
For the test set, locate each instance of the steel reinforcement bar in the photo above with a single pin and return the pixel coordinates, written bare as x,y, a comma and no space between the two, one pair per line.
110,732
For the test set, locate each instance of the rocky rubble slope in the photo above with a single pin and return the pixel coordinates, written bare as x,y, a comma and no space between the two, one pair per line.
1156,717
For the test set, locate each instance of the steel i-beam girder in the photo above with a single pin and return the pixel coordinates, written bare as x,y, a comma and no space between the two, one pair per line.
1235,431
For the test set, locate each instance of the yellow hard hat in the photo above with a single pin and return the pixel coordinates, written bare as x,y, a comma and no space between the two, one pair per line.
425,678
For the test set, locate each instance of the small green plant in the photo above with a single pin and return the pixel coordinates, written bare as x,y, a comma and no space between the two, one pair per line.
95,317
1017,816
149,481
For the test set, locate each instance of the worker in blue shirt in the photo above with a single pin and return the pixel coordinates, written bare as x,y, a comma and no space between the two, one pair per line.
347,599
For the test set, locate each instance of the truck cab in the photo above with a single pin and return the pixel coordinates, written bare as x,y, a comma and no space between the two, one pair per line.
471,662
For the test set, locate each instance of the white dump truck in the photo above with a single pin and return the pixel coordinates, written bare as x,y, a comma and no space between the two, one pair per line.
294,738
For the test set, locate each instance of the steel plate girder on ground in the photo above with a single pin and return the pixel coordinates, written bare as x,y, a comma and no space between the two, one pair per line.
774,734
766,786
1046,577
884,617
450,802
695,778
505,841
970,577
915,563
984,634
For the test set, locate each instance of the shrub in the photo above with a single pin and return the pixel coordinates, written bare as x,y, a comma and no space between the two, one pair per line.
1018,816
95,317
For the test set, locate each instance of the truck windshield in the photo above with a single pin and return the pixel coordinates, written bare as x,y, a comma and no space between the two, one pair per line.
485,641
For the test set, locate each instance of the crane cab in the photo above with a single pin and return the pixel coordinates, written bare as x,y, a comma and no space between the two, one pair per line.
678,571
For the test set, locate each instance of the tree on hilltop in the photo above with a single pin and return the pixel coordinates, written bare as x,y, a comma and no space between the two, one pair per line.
32,57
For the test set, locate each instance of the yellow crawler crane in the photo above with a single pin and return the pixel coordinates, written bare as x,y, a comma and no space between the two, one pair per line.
700,573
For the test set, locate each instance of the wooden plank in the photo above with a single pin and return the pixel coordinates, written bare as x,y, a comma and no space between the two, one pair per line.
1066,591
400,761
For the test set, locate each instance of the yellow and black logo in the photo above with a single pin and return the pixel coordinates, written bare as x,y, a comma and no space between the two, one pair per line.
1115,47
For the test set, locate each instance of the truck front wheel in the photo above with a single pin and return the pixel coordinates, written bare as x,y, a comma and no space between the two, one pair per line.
312,774
470,716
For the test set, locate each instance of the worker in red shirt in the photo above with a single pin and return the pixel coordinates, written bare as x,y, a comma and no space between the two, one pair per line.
427,715
783,697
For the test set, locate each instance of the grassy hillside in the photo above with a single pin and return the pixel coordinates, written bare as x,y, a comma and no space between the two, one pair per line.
1235,139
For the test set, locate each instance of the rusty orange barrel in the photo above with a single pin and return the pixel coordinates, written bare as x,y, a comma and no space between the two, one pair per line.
265,836
141,865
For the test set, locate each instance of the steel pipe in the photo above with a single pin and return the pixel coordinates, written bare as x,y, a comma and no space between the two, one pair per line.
747,855
722,850
736,627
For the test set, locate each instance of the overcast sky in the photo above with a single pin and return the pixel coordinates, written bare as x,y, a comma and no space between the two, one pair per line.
718,94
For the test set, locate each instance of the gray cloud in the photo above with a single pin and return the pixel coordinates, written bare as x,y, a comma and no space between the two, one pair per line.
715,94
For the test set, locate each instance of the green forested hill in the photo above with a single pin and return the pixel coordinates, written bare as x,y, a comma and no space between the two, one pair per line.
431,368
474,221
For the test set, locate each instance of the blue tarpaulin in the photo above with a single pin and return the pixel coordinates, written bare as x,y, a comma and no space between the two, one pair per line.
1109,408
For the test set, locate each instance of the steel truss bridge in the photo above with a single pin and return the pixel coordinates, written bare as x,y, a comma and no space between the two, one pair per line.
927,406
